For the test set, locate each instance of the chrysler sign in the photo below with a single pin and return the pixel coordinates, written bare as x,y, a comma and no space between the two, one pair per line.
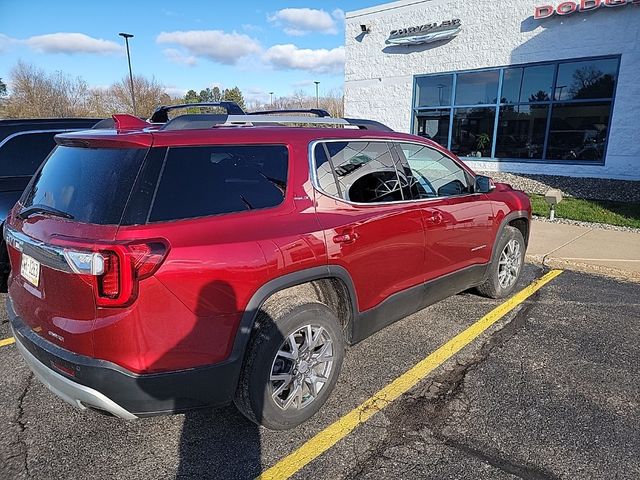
429,33
567,8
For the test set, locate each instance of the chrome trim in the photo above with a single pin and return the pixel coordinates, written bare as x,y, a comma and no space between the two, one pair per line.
314,178
49,255
27,132
80,396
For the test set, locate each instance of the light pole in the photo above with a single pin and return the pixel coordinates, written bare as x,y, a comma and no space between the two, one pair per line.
126,37
271,98
317,97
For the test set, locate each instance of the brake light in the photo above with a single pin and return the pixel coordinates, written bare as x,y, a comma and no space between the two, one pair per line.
109,281
124,266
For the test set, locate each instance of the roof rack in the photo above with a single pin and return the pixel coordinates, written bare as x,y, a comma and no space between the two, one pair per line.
190,122
318,112
161,115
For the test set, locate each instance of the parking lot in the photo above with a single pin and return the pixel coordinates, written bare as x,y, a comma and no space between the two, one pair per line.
549,391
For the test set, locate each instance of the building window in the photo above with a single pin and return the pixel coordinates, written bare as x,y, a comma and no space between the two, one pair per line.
554,111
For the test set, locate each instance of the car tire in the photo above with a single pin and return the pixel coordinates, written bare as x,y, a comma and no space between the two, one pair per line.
275,327
499,284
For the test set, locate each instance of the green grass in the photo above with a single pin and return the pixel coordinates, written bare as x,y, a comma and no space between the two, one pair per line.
600,211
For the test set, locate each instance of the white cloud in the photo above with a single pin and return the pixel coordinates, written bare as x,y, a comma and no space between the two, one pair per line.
71,43
317,61
215,45
176,56
5,41
300,21
175,92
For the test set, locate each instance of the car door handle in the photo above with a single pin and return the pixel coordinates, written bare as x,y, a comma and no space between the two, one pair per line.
435,218
345,237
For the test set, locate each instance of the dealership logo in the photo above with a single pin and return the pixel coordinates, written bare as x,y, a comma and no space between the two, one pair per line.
567,8
429,33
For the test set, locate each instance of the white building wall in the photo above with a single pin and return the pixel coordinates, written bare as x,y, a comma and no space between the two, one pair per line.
379,80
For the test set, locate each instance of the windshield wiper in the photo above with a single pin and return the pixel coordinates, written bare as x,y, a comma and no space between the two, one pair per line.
38,208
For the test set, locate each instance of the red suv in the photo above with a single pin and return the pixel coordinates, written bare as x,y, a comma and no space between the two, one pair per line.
220,258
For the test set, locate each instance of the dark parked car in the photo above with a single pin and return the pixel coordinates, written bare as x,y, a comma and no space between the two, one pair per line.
24,144
220,258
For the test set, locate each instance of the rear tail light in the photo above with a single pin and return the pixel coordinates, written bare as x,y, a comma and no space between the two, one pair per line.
109,281
116,270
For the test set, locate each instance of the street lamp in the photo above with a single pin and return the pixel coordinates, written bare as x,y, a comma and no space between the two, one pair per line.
271,98
317,97
126,37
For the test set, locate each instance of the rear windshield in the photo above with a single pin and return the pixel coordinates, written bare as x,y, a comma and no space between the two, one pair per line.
92,185
213,180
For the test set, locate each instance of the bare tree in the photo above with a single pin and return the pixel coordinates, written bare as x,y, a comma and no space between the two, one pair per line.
35,93
149,95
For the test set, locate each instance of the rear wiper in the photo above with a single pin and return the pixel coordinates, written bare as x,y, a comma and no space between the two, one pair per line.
38,208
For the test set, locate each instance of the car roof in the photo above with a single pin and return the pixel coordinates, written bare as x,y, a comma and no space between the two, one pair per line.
224,135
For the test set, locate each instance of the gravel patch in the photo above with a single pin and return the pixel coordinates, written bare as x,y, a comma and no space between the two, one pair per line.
604,226
586,188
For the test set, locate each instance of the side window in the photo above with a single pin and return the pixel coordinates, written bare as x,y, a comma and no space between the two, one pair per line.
201,181
22,155
432,173
360,171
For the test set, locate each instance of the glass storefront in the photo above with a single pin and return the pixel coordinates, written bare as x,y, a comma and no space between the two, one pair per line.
555,111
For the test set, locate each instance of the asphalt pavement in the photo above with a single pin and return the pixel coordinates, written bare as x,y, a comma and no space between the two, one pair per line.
550,391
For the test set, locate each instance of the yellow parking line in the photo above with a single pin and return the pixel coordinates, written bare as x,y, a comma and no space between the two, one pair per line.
331,435
7,341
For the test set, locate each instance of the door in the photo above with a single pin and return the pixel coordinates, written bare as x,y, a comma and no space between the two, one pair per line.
370,228
458,222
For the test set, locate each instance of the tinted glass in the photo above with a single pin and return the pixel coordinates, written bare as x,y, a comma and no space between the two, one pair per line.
434,91
477,87
434,125
366,172
91,184
587,79
201,181
578,131
433,174
521,131
324,173
473,131
23,154
529,84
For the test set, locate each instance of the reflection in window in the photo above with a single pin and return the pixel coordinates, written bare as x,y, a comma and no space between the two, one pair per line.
521,131
365,172
477,88
528,84
434,125
587,79
578,131
473,131
434,91
433,174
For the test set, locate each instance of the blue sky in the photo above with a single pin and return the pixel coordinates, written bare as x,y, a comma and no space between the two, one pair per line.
191,44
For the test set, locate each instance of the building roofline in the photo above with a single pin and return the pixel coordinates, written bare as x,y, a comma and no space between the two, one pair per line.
383,7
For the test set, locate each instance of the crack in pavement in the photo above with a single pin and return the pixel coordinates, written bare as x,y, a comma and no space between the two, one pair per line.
443,399
22,426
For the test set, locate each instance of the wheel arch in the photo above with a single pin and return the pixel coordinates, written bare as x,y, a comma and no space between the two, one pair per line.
518,219
331,285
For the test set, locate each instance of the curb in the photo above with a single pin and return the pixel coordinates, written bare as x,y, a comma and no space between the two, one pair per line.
584,268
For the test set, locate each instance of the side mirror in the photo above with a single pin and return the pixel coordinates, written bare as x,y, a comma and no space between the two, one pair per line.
483,184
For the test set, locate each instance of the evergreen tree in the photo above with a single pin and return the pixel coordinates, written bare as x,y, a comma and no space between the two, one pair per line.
234,95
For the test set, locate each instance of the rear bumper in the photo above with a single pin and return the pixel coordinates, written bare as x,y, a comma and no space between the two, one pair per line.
86,382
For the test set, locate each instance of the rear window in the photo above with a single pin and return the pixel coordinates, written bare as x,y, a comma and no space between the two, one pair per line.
92,185
23,154
212,180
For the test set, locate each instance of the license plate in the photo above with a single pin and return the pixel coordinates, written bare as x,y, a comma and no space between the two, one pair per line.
30,270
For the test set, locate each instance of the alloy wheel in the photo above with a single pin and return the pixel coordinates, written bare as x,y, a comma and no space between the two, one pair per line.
509,264
301,367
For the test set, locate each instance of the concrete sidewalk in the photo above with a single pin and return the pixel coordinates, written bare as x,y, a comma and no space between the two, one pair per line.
609,252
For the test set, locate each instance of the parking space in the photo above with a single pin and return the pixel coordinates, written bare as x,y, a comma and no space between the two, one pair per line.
550,391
